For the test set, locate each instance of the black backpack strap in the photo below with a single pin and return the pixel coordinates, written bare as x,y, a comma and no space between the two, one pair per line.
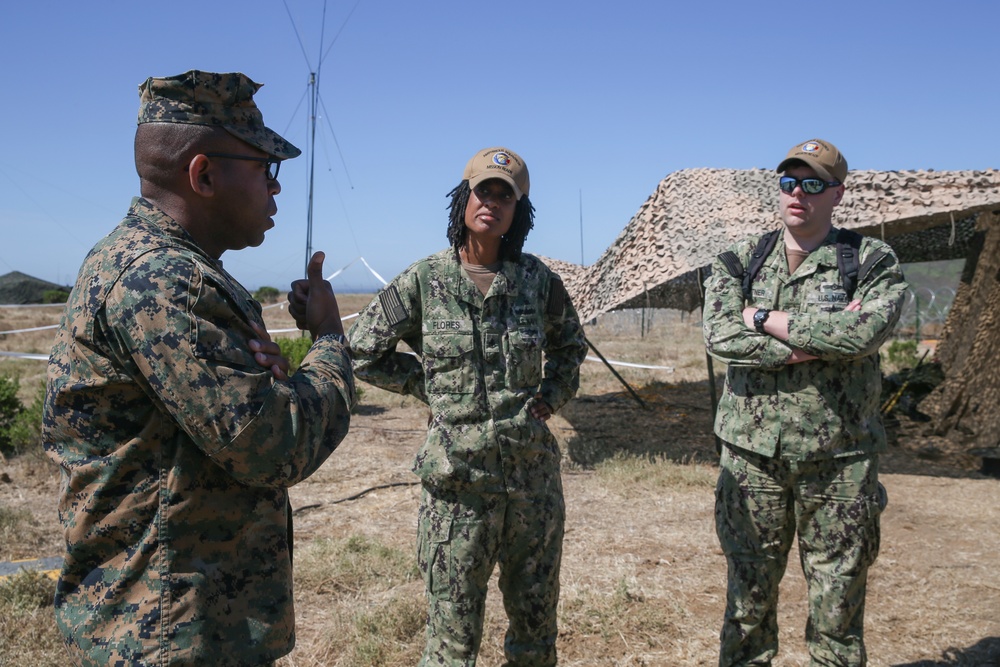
848,248
848,251
764,247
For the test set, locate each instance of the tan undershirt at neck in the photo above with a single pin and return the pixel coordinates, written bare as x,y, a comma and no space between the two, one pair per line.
795,258
482,275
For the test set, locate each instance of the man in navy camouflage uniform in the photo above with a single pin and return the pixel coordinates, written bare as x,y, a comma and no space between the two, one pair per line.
483,318
170,410
799,416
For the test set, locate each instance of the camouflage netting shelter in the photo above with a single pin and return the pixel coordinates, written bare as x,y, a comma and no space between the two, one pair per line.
660,258
968,401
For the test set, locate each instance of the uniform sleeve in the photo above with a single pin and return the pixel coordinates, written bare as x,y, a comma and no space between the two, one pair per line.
850,335
727,337
191,345
393,316
565,348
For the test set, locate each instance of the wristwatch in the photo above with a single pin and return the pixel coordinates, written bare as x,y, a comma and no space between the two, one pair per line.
759,318
340,338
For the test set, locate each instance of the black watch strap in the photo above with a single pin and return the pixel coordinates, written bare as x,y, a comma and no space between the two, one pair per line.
759,318
340,338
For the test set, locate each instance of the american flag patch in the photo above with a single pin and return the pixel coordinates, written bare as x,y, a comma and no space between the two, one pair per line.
392,305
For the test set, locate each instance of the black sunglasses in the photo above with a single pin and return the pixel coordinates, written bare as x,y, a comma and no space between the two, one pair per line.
810,186
273,165
498,193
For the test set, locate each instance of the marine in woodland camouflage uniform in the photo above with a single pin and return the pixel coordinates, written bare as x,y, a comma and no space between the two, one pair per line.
492,491
170,410
800,419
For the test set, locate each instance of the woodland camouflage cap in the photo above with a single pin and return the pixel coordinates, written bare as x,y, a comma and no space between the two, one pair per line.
208,98
822,156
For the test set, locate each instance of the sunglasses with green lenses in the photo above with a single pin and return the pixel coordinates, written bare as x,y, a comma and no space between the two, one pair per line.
810,186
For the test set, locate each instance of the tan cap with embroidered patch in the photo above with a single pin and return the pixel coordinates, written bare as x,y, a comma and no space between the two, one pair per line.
822,156
498,163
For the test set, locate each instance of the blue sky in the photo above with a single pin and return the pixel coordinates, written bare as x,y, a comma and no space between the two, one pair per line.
603,100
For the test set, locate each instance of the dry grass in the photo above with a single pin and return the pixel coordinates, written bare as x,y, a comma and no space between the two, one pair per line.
643,580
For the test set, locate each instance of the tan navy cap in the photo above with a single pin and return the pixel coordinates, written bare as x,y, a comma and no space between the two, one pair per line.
822,156
498,163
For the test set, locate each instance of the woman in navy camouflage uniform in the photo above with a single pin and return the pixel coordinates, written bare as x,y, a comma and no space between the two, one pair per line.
481,316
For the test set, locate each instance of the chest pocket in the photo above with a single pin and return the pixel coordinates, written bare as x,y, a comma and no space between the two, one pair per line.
524,353
449,360
826,297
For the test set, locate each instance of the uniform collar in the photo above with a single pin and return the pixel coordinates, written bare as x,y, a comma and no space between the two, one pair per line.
504,284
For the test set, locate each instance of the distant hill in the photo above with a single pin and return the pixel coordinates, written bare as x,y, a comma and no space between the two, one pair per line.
17,287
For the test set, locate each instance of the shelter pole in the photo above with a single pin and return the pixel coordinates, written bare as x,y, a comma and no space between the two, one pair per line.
615,373
711,369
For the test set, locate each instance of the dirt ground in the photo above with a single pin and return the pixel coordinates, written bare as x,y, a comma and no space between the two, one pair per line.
646,547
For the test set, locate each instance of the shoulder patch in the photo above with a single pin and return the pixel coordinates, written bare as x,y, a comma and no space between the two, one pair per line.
557,298
392,305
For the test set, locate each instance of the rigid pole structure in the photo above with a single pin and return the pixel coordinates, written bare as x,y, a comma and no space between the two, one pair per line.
615,373
711,369
314,85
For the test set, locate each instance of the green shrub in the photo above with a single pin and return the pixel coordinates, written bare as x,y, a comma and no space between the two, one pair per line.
10,408
20,426
55,296
900,354
25,432
294,349
267,294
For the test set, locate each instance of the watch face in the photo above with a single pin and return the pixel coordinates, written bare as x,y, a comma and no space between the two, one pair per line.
759,318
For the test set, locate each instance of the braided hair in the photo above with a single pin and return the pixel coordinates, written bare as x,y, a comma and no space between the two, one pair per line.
511,243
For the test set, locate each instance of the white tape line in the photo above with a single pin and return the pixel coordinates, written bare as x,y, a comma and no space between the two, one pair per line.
32,305
373,272
342,269
669,369
12,331
342,319
25,355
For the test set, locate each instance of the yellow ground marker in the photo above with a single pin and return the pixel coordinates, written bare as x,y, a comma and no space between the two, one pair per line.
50,567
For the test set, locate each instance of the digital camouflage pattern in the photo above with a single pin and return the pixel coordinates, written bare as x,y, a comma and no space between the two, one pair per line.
813,410
478,364
492,490
839,502
461,536
177,450
211,98
802,446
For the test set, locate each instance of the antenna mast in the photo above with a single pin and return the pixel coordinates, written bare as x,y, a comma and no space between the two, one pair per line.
314,93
